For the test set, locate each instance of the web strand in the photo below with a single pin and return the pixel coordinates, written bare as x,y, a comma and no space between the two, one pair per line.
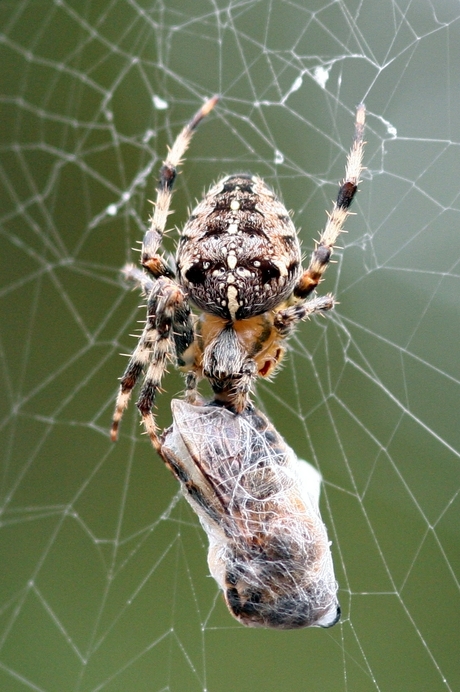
104,582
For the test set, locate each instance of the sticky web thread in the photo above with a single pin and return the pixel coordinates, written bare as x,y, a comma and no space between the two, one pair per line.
104,576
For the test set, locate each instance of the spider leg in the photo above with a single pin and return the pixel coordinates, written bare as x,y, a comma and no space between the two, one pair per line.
191,387
285,320
243,385
153,237
320,257
139,278
168,331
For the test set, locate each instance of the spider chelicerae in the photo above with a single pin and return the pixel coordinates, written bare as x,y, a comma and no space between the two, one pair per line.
238,263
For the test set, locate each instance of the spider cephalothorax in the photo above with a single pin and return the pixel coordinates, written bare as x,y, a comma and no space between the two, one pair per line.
239,264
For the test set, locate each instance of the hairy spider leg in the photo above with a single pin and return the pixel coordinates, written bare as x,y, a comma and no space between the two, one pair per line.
168,172
168,332
286,319
337,217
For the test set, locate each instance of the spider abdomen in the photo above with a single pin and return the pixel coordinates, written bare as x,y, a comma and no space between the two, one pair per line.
239,254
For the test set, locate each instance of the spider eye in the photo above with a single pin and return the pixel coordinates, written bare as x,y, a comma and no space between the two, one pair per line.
196,274
269,271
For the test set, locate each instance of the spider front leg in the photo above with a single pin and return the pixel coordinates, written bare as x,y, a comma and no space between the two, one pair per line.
167,334
168,172
286,319
320,258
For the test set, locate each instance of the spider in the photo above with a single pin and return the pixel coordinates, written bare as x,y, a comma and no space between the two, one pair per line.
239,263
259,505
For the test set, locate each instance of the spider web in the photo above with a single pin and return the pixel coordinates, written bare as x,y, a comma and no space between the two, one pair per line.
104,583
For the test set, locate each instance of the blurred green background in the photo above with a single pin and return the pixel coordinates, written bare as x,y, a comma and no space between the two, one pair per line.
103,581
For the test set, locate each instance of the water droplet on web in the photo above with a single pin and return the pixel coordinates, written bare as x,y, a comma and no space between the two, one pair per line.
321,75
159,103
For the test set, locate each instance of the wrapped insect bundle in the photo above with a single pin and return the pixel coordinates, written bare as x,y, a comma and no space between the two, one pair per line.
259,505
